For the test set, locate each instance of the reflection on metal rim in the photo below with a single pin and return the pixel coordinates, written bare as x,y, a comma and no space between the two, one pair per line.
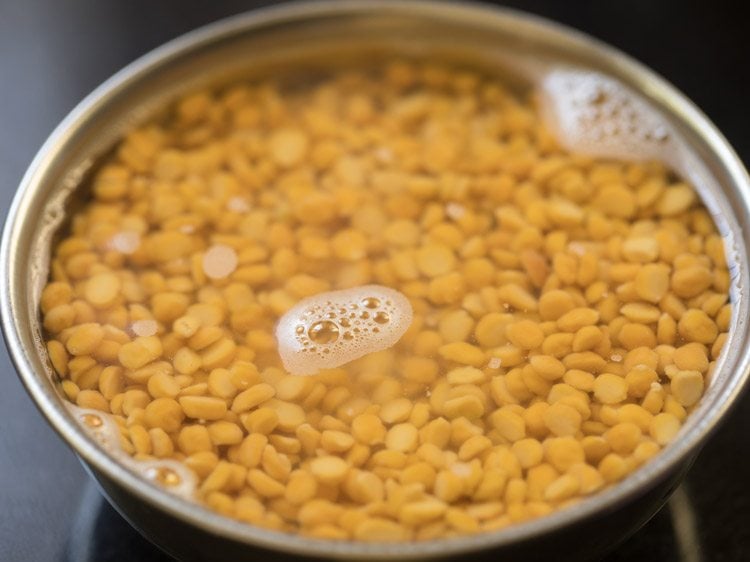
685,526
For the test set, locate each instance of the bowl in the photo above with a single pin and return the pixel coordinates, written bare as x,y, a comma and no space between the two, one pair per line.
306,36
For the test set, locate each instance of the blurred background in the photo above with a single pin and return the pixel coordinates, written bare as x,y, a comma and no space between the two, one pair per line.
54,52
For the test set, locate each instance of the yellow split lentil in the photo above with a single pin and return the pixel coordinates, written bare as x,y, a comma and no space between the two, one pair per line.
568,311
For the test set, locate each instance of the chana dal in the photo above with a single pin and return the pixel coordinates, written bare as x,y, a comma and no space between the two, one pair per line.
567,311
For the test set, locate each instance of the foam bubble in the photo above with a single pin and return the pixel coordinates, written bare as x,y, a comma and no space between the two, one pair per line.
219,261
125,242
596,115
455,211
238,205
144,328
384,155
330,329
169,474
461,469
101,426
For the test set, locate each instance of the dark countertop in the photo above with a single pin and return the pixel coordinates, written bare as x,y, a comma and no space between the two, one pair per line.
53,52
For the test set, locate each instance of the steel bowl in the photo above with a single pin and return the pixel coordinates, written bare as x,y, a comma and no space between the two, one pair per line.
307,36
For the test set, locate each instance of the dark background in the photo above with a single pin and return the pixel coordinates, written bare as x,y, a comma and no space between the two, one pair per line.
54,52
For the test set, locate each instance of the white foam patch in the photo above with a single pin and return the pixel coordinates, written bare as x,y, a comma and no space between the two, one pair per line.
168,474
461,469
455,211
125,242
330,329
596,115
238,205
384,155
219,261
144,328
101,426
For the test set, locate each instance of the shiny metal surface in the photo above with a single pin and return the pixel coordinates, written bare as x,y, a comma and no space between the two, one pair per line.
258,43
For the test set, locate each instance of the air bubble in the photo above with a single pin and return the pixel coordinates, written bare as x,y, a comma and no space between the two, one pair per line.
461,469
103,428
219,261
238,205
455,211
577,248
323,331
125,242
100,425
661,134
144,328
370,302
384,155
381,317
163,475
171,475
92,420
596,115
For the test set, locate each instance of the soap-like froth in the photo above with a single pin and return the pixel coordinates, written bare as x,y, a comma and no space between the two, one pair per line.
171,475
596,115
330,329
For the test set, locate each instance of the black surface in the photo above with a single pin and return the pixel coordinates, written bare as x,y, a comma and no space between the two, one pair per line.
53,52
